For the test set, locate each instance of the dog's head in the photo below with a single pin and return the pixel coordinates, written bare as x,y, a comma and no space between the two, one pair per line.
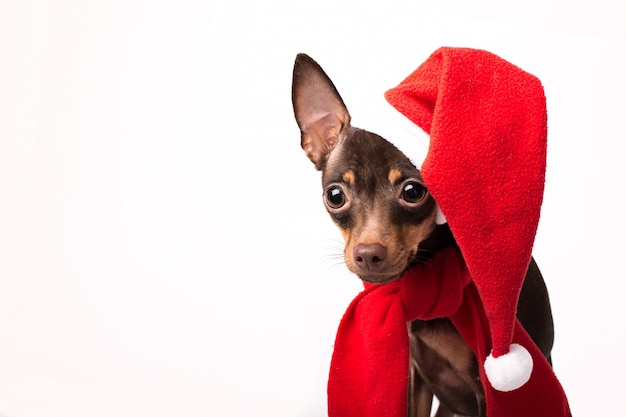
372,191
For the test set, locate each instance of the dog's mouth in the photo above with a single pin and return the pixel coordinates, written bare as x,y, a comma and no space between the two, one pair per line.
386,274
379,278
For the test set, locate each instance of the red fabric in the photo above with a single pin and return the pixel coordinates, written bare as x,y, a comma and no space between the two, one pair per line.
369,368
485,166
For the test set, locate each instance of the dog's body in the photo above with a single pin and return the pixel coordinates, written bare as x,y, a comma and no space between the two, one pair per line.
377,198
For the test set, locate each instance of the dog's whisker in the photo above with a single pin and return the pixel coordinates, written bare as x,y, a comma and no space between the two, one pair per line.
333,255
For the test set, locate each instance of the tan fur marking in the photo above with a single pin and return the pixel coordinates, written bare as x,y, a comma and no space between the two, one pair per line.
394,175
346,234
348,177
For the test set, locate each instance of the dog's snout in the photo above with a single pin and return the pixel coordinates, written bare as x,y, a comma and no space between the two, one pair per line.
369,257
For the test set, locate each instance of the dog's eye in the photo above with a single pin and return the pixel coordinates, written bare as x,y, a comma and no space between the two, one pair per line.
335,197
413,192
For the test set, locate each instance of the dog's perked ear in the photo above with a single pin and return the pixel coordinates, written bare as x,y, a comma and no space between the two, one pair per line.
319,109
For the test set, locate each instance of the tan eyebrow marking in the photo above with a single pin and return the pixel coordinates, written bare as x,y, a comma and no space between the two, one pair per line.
348,177
394,176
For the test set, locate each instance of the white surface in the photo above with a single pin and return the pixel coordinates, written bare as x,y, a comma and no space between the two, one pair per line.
163,247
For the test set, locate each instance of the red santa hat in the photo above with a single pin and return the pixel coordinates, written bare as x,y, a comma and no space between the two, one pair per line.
485,167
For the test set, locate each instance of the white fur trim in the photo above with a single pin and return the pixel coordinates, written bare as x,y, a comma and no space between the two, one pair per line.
511,371
440,218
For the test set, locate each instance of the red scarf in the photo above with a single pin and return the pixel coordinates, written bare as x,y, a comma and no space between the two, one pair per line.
370,363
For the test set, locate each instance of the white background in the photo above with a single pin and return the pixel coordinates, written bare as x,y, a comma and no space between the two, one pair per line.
163,247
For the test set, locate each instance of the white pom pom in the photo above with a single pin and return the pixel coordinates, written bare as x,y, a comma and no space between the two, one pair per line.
511,371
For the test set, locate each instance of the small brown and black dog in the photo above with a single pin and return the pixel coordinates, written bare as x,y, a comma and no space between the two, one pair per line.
386,215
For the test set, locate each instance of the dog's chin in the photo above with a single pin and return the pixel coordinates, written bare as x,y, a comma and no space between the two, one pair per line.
380,278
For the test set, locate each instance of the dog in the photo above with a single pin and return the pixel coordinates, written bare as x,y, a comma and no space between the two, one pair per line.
378,200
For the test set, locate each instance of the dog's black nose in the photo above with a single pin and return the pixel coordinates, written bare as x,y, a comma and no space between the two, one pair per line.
369,257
